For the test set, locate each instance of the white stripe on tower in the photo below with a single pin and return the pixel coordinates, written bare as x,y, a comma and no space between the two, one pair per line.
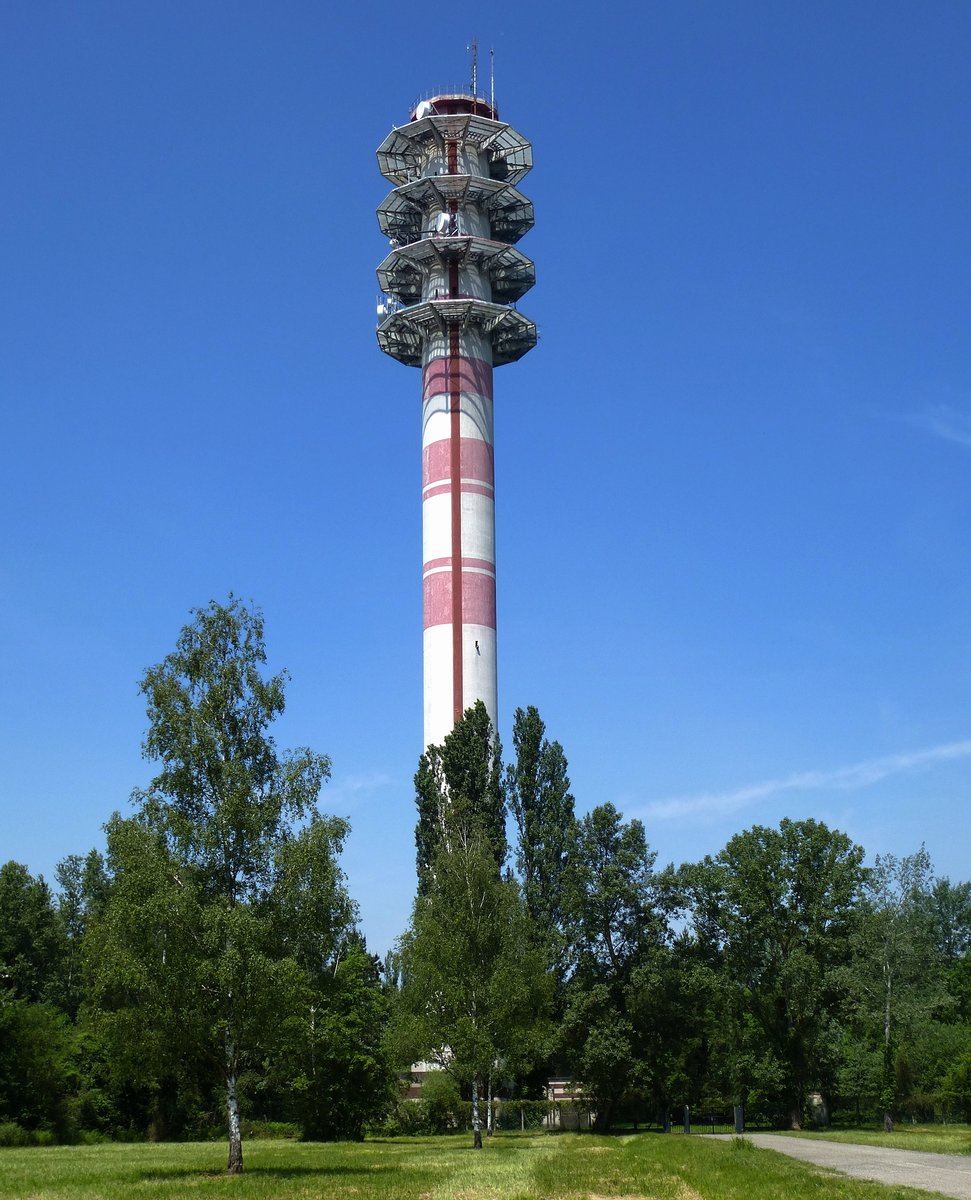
458,528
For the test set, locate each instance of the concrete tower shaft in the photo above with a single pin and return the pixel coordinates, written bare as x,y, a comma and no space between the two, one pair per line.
451,278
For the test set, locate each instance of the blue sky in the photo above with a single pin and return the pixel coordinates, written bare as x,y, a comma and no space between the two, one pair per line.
733,480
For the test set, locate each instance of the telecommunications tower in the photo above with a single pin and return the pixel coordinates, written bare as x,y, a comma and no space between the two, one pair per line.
451,281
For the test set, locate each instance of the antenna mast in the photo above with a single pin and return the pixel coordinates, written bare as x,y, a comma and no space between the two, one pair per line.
492,78
474,47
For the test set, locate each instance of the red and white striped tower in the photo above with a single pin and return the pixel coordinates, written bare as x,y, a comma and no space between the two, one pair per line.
451,278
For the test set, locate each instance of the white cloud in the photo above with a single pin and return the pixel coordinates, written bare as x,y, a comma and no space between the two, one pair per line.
351,789
945,422
857,775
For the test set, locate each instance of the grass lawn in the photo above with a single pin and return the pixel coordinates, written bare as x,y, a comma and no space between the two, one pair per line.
511,1167
941,1139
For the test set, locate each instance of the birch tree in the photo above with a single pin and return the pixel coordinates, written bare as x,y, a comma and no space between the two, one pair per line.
186,962
897,978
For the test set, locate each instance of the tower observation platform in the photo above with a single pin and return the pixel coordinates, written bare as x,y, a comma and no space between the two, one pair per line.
451,280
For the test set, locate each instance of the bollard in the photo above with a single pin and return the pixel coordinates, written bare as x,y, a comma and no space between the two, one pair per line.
687,1120
739,1119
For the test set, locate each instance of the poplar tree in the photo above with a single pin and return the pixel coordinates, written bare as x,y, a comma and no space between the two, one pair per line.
538,789
474,991
459,790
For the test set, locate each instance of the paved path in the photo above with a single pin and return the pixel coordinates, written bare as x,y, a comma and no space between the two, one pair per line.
949,1174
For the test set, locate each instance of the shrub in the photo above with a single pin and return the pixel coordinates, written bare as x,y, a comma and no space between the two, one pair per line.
271,1130
12,1134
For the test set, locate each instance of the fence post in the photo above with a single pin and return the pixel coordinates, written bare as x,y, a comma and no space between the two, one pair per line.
739,1119
667,1122
687,1120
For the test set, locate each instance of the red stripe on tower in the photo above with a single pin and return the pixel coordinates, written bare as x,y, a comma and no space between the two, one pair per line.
478,598
476,458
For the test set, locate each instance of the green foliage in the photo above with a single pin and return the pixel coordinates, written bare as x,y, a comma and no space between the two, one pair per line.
611,905
956,1088
474,994
84,886
12,1134
538,788
442,1098
777,909
474,990
189,963
37,1067
335,1071
459,791
32,942
908,926
610,899
439,1110
224,798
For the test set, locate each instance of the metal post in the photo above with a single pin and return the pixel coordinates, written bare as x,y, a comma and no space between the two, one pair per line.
687,1120
739,1119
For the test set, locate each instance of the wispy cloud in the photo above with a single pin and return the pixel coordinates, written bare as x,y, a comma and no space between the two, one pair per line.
943,421
351,789
857,775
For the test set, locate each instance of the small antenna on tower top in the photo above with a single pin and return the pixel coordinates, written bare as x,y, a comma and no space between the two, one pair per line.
474,47
492,79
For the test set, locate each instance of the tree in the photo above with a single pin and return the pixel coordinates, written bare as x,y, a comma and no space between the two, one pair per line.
473,983
474,993
611,905
187,959
898,978
951,908
334,1072
84,885
538,788
37,1065
32,942
331,1066
458,788
777,908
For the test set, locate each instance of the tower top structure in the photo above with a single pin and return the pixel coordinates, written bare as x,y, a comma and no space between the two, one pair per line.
451,281
448,103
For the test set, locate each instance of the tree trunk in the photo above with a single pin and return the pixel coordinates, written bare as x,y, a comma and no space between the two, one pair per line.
476,1121
235,1165
795,1115
601,1123
489,1107
888,1091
